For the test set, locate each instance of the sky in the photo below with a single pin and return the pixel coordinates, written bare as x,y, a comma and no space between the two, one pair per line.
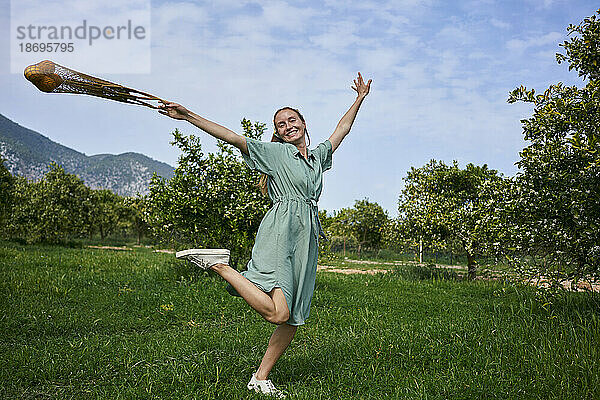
441,71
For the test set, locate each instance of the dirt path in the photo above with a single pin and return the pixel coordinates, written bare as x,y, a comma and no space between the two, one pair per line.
582,286
123,248
350,271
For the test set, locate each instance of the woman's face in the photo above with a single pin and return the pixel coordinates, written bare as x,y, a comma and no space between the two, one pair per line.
290,127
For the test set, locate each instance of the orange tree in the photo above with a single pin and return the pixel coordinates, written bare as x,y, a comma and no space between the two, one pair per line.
53,210
211,201
442,204
555,212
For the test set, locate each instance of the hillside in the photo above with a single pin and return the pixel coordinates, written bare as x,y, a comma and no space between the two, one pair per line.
30,154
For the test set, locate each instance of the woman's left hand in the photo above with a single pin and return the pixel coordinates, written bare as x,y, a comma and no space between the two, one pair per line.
360,87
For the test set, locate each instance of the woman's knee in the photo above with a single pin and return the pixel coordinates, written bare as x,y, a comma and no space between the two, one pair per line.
281,312
279,317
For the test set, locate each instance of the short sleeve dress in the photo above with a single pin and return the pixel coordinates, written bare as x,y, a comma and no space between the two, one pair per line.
286,247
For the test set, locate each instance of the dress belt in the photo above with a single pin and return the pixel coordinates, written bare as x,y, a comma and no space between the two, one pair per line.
314,208
311,201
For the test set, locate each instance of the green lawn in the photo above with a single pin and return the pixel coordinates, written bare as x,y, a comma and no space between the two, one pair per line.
86,323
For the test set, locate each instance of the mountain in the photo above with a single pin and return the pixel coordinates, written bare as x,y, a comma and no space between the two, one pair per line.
29,154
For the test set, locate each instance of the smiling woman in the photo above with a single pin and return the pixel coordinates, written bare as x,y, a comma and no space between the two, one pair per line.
280,277
283,117
289,123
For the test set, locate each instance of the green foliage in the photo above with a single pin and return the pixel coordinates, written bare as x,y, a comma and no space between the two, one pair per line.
61,208
568,115
555,218
442,205
134,216
358,227
6,188
395,238
340,244
392,237
367,221
105,211
583,51
339,224
51,210
212,201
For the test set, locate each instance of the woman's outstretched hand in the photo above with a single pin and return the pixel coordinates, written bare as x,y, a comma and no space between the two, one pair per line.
173,110
360,87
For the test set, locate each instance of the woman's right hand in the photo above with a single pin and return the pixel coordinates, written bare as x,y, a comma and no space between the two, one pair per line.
173,110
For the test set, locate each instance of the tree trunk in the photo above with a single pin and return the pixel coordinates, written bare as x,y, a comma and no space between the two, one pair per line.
472,268
363,241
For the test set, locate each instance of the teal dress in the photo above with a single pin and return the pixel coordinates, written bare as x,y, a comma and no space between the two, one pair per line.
286,247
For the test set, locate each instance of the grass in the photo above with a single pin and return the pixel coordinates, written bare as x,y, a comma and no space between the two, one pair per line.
101,324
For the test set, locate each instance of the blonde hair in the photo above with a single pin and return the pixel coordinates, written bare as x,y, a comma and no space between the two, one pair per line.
263,180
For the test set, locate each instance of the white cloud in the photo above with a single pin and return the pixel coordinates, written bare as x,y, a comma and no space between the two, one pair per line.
337,37
520,45
499,24
480,55
382,61
455,35
168,18
546,4
281,15
446,68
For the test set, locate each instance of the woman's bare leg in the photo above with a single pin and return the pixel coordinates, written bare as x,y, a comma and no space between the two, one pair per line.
280,340
271,306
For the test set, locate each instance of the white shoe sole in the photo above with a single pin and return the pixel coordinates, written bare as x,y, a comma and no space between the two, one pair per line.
205,258
256,387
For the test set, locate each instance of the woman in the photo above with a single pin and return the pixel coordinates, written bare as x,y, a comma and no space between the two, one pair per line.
280,277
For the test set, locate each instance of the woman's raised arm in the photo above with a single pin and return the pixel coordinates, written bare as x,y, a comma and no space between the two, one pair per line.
177,111
343,127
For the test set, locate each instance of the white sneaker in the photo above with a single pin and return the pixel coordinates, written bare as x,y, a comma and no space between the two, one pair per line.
204,258
265,387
